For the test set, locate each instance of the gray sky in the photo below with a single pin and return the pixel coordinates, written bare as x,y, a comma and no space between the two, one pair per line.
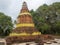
12,7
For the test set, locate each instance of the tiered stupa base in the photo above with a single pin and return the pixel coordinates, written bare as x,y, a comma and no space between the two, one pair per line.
22,39
23,34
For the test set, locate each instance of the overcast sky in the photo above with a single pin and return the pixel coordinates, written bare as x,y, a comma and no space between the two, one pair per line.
12,7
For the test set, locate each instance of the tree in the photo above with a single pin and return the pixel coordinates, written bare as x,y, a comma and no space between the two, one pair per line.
47,17
5,24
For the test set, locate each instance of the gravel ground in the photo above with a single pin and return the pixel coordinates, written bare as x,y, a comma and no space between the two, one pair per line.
57,40
52,44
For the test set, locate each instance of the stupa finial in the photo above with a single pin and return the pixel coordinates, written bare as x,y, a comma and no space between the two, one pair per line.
24,7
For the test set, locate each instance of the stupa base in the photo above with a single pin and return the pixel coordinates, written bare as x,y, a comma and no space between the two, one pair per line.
23,39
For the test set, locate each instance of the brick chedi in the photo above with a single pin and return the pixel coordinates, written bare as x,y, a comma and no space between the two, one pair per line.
25,30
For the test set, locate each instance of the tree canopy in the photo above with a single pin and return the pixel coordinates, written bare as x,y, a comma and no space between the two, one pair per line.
47,18
5,24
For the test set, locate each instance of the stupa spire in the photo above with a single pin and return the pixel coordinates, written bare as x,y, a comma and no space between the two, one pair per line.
24,8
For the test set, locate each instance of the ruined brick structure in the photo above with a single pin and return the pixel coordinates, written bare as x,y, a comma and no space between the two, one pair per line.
25,30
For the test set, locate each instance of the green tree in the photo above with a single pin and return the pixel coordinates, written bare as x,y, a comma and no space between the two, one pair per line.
5,24
47,18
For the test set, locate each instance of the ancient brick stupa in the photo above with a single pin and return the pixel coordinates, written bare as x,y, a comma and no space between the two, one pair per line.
25,30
